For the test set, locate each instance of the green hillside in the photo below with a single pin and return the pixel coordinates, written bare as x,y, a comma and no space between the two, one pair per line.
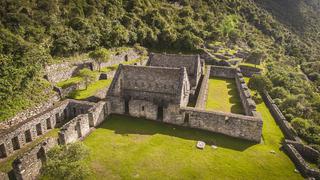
34,33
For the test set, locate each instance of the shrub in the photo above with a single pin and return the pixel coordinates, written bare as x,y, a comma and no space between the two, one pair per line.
259,83
300,125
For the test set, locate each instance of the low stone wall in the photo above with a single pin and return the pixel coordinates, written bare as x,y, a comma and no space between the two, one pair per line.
306,151
300,163
4,176
244,127
29,164
203,92
248,103
223,72
121,57
284,125
249,71
75,129
98,113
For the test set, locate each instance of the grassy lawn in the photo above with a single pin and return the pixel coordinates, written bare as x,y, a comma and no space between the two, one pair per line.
92,89
6,165
69,82
223,96
127,148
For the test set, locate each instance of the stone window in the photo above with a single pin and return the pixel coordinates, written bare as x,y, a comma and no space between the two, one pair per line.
15,143
28,136
3,152
65,114
142,108
48,121
39,129
126,58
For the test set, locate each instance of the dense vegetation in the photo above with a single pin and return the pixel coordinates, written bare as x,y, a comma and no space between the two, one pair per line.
33,33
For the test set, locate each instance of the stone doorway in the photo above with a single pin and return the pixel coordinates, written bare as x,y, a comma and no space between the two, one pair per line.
78,129
186,118
39,129
160,113
126,106
3,152
49,123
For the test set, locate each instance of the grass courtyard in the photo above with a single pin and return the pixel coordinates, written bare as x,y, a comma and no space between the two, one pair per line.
223,96
127,148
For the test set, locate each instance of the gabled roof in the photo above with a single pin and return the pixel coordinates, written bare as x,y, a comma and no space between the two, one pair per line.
148,82
191,62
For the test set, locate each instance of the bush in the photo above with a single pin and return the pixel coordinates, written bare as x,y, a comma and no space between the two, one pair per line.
257,98
279,92
66,162
259,83
300,125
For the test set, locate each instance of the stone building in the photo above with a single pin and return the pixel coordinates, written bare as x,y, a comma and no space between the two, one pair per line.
192,63
155,93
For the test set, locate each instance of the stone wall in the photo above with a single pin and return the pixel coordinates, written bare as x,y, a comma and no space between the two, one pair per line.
300,163
29,164
75,129
15,137
306,151
249,71
121,57
203,92
248,103
4,176
284,125
192,63
223,72
244,127
98,113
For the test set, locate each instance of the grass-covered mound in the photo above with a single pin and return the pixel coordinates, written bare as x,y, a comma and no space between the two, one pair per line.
224,96
125,148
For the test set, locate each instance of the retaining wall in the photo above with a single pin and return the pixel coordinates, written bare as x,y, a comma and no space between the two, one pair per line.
249,71
300,163
223,72
244,127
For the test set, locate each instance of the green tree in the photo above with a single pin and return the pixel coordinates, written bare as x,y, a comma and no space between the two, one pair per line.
259,83
300,125
87,75
100,55
66,162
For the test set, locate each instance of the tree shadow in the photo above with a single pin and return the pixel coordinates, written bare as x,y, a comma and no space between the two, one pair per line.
125,125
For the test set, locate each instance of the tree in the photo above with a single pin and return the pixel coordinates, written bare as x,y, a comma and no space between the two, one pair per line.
87,75
259,83
300,125
100,55
66,162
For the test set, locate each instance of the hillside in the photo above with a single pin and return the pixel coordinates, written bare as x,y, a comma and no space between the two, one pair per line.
34,33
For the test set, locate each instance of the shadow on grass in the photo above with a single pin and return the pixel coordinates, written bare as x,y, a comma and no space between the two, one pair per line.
125,125
234,98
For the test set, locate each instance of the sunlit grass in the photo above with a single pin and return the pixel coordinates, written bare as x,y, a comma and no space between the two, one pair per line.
92,89
223,96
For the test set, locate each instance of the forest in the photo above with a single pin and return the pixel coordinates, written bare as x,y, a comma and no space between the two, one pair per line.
34,33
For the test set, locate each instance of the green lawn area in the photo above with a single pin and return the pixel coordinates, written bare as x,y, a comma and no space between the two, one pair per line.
69,82
6,165
130,148
92,89
223,96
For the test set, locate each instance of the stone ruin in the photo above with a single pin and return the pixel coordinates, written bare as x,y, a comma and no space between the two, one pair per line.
156,92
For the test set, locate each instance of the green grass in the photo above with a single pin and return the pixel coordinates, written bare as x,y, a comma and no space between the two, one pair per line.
223,96
6,165
127,148
92,89
252,65
69,82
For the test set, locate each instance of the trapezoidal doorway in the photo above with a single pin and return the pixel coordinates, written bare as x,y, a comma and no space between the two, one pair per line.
160,113
126,106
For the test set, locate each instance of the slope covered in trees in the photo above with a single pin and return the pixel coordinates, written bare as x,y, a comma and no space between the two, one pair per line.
34,32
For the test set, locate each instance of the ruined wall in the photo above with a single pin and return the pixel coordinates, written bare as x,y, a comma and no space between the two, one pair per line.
284,125
248,104
306,151
300,163
203,92
75,129
29,164
98,113
17,136
223,72
249,71
244,127
121,57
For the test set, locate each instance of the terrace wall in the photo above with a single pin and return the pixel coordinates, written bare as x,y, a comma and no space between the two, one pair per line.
223,72
244,127
249,71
